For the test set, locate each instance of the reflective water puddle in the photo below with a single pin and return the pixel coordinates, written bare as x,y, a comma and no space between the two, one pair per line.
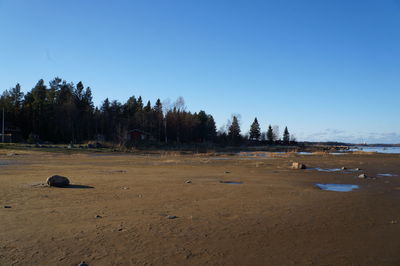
345,170
326,169
337,187
386,175
231,182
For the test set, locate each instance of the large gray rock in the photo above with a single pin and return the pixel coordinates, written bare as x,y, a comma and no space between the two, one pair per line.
297,165
57,181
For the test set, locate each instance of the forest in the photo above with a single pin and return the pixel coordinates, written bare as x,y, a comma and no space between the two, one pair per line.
62,112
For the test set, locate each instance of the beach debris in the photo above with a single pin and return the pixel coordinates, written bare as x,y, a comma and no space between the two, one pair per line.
7,207
297,165
358,169
188,181
363,176
83,264
171,217
57,181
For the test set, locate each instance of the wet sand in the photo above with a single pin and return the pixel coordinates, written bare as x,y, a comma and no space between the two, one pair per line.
116,211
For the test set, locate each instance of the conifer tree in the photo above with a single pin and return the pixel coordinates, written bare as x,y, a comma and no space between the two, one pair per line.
255,130
270,134
234,131
286,136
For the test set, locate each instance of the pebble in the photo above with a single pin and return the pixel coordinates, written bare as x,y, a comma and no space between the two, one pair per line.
98,216
7,207
188,182
171,217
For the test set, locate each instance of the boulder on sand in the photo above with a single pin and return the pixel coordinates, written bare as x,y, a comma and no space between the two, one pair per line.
297,165
362,176
57,181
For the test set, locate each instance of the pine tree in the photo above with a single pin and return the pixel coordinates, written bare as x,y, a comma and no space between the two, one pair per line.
255,130
234,131
286,136
270,134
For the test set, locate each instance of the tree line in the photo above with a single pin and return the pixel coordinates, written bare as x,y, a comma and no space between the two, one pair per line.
62,112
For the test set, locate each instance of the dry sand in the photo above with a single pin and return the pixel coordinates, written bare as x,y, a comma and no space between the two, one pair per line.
115,213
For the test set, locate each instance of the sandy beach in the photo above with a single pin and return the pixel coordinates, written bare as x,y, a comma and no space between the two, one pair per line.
171,209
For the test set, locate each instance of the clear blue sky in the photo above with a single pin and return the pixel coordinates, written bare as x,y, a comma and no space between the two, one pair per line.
329,70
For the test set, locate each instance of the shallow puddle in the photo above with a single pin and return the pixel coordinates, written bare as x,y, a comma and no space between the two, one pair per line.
337,187
330,170
386,175
304,153
231,182
326,169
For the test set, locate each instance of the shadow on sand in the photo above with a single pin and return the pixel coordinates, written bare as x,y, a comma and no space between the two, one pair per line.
76,186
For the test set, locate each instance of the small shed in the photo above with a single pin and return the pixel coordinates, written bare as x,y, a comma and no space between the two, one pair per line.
138,135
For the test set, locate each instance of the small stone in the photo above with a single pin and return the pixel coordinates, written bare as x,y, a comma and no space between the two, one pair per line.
171,217
98,216
188,182
7,207
297,165
83,264
227,172
343,168
357,169
362,176
57,181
